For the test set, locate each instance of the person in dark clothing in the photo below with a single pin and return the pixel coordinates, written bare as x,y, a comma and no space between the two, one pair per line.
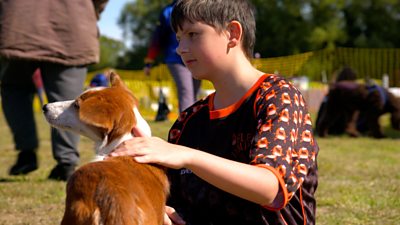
60,38
164,42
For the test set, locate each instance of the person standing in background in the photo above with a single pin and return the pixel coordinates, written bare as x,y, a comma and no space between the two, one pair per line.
99,80
164,39
60,38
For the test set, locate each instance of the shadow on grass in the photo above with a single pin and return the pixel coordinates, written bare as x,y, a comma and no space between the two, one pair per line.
24,179
11,180
388,132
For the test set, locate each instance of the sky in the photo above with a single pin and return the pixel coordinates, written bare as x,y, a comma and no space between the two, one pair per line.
108,19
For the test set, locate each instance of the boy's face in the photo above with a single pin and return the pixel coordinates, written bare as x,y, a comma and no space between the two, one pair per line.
203,49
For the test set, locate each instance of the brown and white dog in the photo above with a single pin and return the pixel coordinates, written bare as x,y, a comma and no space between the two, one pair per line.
116,190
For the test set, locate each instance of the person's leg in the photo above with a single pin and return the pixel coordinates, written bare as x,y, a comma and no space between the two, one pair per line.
63,83
184,84
17,92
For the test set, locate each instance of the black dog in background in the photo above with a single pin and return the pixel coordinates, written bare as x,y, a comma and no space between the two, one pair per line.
354,108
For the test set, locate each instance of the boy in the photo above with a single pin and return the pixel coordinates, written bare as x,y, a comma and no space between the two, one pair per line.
245,155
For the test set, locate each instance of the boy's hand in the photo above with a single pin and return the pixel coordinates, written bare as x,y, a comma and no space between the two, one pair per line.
171,217
154,150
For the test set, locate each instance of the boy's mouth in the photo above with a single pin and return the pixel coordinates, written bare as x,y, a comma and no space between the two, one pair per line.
189,61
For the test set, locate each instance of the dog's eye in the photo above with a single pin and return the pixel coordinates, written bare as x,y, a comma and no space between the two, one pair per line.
76,105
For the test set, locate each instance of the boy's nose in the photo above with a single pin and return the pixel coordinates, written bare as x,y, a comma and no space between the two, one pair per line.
178,50
181,49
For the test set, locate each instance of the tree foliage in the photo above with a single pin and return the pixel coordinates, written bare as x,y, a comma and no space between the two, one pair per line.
286,27
139,18
372,23
110,51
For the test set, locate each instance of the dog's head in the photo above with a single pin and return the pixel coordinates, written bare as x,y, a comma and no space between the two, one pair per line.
105,114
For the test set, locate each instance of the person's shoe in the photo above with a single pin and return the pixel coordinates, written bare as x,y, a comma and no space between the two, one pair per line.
26,163
61,172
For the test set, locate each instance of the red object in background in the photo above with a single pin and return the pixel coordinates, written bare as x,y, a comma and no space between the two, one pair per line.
37,80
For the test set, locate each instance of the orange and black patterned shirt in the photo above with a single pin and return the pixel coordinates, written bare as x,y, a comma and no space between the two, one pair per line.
269,127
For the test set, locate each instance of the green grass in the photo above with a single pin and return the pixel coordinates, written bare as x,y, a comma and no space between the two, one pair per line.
359,180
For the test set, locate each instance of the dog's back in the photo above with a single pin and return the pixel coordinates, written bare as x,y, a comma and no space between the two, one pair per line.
116,191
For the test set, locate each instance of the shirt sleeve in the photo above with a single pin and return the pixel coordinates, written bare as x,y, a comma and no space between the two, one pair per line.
283,141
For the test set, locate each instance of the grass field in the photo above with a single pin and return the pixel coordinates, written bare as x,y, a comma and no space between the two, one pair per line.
359,180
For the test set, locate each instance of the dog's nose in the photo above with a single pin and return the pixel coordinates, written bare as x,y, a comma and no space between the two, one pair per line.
45,108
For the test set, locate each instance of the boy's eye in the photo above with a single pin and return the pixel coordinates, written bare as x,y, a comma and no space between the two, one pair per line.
191,34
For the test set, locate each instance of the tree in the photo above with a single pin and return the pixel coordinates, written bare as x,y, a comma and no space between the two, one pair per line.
138,20
327,24
281,27
286,27
372,23
110,51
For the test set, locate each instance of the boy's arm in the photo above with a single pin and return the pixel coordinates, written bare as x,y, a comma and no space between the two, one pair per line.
284,142
252,183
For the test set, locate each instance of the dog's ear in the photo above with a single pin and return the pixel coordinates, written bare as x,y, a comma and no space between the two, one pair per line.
115,80
103,112
126,124
95,114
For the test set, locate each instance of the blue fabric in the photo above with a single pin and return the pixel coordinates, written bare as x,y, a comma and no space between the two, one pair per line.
381,91
168,39
100,80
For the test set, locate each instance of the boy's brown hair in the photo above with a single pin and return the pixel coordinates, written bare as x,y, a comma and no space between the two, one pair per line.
218,13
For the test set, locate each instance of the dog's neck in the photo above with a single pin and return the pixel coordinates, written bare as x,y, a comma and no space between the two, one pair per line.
103,149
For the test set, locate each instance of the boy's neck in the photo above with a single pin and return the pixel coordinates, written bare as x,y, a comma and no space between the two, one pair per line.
231,87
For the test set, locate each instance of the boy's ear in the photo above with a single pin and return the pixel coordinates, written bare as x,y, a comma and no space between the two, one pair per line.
235,33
